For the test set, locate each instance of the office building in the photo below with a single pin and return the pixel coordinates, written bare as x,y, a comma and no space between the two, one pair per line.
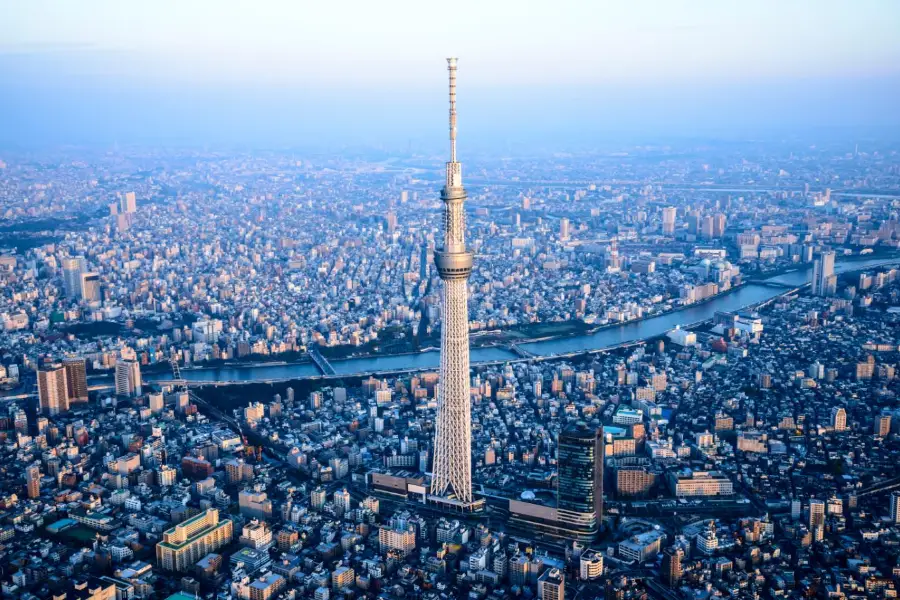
579,459
672,570
76,379
824,281
895,507
452,472
718,225
250,559
191,540
706,227
72,268
668,220
700,483
641,547
552,585
590,565
128,203
255,505
838,418
33,480
128,377
816,513
53,392
564,229
883,425
90,287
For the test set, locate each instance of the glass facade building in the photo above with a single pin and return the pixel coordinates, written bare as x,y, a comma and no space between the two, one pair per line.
579,458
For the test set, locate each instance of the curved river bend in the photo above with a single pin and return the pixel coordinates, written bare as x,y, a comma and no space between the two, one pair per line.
742,297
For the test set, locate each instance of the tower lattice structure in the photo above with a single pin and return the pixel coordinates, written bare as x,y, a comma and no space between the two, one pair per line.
452,473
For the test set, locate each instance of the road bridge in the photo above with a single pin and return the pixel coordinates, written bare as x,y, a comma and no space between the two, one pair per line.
320,362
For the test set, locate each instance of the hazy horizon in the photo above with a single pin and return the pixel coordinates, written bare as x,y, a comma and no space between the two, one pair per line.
581,74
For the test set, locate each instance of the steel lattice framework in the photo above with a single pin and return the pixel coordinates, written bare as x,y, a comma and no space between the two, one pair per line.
452,473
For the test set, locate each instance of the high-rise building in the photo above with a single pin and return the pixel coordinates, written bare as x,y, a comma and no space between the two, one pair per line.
72,269
33,480
564,229
824,281
694,220
90,287
128,203
668,220
76,379
718,226
883,425
633,481
552,585
128,377
342,501
671,565
391,220
452,471
706,227
816,513
579,459
191,540
52,390
895,507
838,418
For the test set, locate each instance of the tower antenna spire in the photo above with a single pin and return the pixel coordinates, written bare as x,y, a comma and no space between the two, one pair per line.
451,67
452,474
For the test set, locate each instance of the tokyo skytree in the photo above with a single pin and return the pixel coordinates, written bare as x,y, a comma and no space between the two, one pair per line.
452,474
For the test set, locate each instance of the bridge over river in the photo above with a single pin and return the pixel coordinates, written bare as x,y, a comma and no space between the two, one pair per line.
607,338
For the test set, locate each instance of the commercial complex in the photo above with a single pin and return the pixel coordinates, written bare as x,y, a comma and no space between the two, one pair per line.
579,458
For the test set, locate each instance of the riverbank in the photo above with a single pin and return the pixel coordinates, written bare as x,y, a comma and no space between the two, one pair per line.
612,336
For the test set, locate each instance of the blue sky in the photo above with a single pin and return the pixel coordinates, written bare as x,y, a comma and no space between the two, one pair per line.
271,72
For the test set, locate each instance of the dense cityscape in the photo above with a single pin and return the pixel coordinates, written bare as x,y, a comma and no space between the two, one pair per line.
659,371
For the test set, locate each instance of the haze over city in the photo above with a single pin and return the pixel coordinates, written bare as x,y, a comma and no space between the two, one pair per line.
288,74
485,300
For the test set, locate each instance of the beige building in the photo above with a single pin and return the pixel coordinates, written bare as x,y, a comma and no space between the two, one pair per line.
397,536
552,585
188,542
342,577
700,483
53,390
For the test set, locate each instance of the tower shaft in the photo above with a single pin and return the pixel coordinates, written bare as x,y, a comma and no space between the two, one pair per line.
452,473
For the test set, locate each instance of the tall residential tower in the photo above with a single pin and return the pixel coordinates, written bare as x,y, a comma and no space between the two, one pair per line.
452,473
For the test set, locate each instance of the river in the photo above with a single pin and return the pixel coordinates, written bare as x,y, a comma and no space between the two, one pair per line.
742,297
